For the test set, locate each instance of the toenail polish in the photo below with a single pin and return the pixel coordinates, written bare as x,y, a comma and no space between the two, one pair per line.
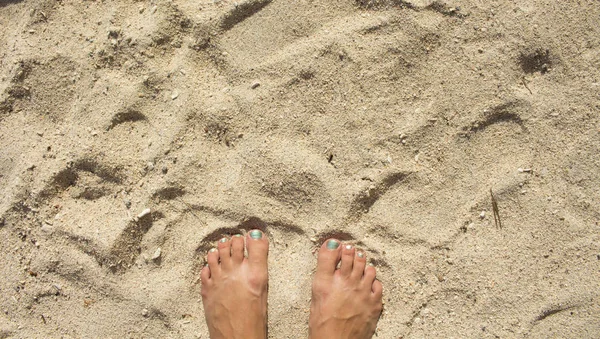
255,234
213,250
223,240
237,235
333,244
348,247
361,254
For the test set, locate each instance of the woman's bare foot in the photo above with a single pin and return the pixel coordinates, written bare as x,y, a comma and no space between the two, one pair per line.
346,302
234,288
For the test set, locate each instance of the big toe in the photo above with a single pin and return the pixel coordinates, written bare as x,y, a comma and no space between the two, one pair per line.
328,259
258,249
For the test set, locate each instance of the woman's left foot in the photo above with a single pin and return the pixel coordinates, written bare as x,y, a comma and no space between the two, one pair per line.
234,288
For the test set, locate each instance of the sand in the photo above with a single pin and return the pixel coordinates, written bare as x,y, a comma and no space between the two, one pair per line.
384,123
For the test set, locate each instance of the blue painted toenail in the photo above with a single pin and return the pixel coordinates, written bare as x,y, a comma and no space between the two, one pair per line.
255,234
333,244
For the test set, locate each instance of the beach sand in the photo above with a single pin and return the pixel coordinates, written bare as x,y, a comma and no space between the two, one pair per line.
135,134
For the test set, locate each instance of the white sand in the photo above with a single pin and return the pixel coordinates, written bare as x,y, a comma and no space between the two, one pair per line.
381,122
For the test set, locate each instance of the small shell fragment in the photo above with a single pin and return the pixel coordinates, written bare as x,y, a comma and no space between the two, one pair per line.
143,213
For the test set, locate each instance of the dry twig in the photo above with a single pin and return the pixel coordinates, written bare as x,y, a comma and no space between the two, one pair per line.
495,210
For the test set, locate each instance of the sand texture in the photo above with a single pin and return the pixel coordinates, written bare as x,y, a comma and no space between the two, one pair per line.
384,123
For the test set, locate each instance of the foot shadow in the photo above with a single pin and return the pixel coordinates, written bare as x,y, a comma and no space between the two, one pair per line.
8,2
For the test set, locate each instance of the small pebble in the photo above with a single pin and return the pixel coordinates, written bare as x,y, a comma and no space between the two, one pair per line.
145,312
156,254
255,85
47,229
482,214
150,166
127,203
165,169
174,95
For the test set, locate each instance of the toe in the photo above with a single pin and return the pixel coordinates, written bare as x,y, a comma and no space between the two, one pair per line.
369,276
329,256
377,289
347,260
205,275
360,261
258,249
237,249
213,262
224,247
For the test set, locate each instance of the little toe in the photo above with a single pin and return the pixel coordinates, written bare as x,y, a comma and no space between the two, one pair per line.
205,275
213,261
329,256
224,247
237,249
258,249
377,289
360,261
347,260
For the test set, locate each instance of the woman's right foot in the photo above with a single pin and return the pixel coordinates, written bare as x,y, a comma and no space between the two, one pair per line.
346,302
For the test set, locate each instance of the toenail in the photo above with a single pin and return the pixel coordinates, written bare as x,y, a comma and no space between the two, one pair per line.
348,247
371,264
213,250
255,234
223,240
361,254
333,244
237,235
